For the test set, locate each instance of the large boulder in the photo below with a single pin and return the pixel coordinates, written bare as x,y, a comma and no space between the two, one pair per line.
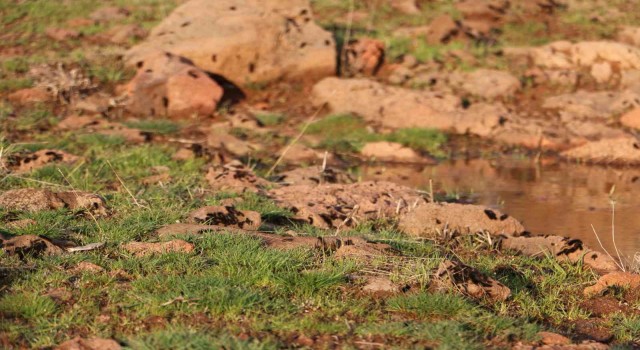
169,85
394,107
245,40
565,55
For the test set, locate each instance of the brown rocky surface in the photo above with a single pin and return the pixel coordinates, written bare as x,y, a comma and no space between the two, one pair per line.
234,177
395,107
226,216
244,40
562,248
433,219
550,338
30,199
380,284
85,266
89,344
618,151
629,35
587,345
441,30
30,95
62,34
598,105
30,245
145,248
384,151
631,119
335,205
615,279
488,83
313,175
25,162
469,281
170,85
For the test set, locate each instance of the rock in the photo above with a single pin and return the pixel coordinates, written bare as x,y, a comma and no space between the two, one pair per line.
125,33
394,107
86,267
357,248
226,216
430,219
30,199
335,205
128,134
562,248
169,85
29,245
234,177
620,279
140,249
221,138
631,119
245,40
380,284
95,104
400,75
469,281
586,345
441,30
384,151
30,95
108,14
600,105
565,55
184,154
21,163
313,176
61,34
550,338
629,35
619,151
158,179
79,122
89,344
630,79
408,7
488,83
601,72
363,56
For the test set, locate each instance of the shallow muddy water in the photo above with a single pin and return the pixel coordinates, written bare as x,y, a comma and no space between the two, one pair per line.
554,198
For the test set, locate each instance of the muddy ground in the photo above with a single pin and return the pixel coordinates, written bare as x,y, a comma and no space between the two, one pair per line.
191,174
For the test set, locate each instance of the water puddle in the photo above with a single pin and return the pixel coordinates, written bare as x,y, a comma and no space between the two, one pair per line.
556,198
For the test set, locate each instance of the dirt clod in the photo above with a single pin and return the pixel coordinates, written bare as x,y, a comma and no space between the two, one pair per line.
226,216
89,344
143,248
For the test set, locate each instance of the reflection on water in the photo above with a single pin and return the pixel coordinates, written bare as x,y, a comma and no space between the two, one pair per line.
557,198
